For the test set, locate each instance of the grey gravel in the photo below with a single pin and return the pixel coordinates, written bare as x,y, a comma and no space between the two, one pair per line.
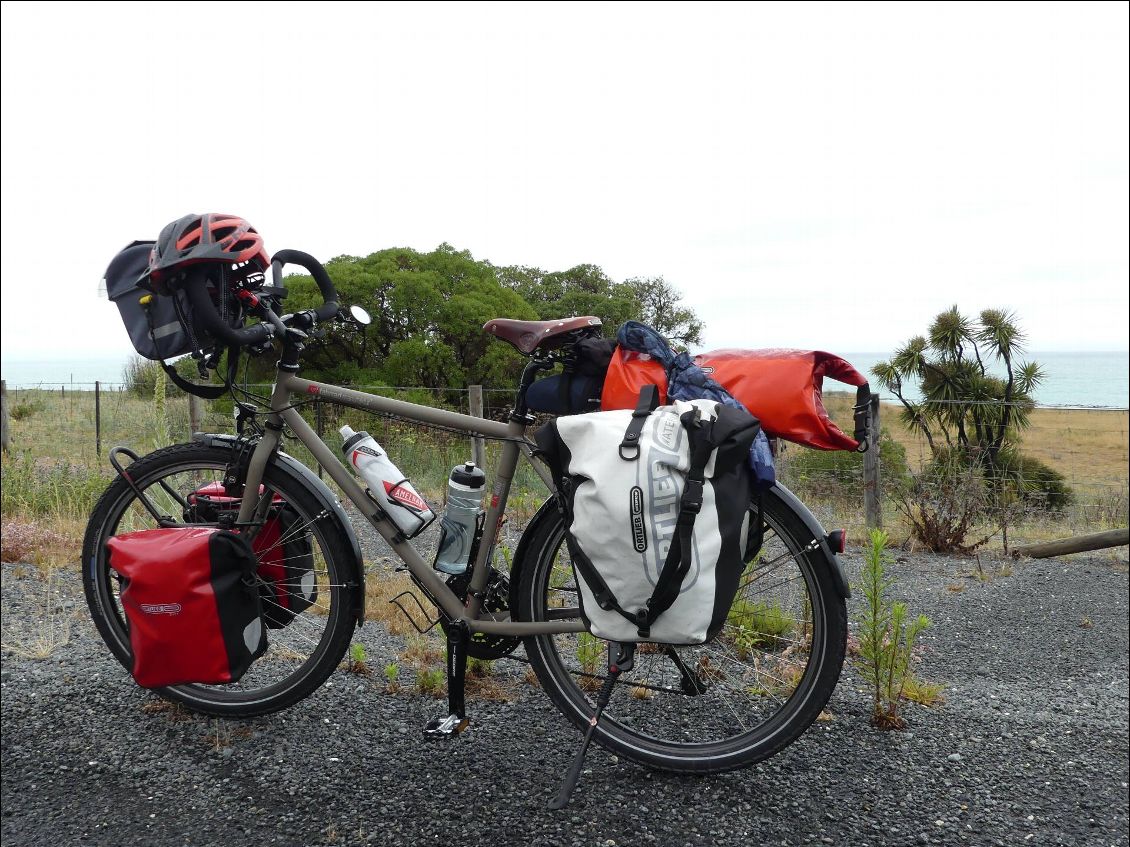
1030,747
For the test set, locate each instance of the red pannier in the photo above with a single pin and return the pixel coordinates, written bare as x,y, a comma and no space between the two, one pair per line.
781,388
190,598
288,584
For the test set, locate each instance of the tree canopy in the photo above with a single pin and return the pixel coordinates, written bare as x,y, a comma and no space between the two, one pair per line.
428,310
964,406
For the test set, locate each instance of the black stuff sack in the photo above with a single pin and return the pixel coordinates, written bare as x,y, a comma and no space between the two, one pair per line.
577,389
193,609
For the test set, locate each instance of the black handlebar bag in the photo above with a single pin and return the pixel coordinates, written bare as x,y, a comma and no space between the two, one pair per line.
192,603
163,325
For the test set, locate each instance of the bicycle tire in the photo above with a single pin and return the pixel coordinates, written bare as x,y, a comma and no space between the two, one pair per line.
300,656
745,714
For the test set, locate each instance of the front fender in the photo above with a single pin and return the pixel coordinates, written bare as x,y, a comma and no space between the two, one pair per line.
302,475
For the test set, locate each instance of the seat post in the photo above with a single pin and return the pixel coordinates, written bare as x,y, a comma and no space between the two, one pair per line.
529,373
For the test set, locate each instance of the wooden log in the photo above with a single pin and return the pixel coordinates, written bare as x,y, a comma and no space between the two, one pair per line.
1076,544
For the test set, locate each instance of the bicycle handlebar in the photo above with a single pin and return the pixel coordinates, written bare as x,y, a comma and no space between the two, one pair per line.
329,308
209,319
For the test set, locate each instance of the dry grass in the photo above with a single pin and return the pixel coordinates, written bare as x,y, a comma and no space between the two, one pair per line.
42,637
922,692
1087,446
47,547
380,587
174,712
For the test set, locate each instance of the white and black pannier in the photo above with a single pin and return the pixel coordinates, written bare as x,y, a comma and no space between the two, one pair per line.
656,502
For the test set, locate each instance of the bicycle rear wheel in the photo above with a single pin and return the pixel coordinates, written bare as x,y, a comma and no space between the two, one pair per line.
301,655
705,708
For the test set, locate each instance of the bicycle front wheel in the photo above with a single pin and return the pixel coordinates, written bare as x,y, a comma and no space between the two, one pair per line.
711,707
301,655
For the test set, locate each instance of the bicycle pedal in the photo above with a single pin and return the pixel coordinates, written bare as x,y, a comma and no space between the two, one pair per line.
447,727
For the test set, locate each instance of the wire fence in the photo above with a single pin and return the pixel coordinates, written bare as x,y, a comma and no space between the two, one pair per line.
1072,477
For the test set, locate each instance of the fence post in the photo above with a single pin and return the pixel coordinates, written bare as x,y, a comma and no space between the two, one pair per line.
872,488
5,441
478,445
195,422
97,418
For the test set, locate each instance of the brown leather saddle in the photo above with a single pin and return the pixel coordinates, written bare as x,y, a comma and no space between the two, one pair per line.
528,336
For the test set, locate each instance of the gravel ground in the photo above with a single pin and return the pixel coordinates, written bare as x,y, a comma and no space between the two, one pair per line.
1030,747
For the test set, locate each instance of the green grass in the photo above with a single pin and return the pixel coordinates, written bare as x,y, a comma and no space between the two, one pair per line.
754,624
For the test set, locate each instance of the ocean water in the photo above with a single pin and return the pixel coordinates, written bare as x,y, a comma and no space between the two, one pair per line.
1071,379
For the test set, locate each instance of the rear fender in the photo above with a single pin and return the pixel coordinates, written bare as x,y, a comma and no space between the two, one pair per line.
827,557
546,515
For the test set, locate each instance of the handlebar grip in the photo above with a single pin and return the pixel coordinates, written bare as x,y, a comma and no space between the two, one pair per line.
208,319
328,310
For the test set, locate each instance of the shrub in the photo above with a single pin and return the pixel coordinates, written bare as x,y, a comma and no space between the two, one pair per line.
24,409
140,376
1035,484
942,503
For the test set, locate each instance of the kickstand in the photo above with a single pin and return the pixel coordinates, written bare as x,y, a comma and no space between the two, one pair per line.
458,636
619,660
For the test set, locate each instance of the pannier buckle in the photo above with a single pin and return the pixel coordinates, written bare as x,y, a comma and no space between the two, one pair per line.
692,496
643,625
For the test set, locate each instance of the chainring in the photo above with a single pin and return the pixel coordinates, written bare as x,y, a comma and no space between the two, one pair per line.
496,598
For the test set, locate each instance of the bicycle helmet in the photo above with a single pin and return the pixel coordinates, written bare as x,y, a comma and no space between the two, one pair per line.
211,237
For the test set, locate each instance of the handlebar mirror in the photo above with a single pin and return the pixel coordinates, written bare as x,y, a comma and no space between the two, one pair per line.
360,316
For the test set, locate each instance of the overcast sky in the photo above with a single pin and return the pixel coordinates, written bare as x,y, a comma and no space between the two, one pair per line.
824,176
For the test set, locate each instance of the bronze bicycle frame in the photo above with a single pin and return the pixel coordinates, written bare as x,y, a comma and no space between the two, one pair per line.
514,443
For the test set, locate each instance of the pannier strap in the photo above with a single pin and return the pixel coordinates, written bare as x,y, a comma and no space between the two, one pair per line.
647,403
678,563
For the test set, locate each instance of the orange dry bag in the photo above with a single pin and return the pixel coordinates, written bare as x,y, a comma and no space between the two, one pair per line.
782,388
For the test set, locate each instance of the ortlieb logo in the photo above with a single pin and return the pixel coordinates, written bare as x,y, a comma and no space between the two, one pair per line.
161,608
405,497
639,535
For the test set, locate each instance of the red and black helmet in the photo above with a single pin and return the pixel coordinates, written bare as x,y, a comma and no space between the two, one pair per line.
212,237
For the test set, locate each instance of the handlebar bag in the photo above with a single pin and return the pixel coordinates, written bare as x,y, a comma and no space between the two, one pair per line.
190,599
156,330
165,326
782,388
287,582
655,501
